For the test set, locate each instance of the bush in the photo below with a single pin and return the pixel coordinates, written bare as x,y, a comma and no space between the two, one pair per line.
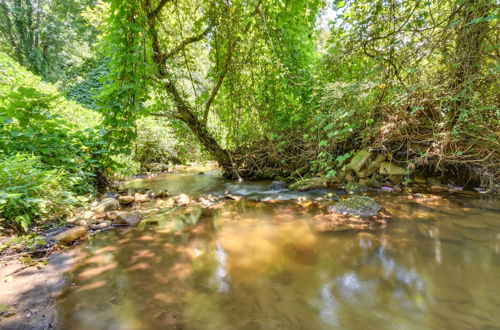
50,149
30,191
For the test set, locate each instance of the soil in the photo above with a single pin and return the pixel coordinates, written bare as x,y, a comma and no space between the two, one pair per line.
28,292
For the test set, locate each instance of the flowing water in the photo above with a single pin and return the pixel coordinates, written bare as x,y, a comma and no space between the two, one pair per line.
260,265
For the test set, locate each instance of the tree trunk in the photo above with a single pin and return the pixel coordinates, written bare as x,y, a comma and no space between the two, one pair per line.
468,54
187,115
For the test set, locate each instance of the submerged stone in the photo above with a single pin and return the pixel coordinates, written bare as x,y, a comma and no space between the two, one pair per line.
278,185
358,205
355,188
127,219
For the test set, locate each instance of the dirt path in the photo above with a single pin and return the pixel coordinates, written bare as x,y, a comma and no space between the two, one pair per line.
27,294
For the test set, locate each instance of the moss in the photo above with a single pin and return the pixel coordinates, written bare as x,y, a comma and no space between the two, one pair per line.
309,184
357,205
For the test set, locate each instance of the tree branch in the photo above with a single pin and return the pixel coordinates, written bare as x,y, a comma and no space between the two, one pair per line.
158,8
186,42
217,86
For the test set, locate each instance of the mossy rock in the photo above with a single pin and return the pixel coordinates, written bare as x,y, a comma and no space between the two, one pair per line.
70,235
358,205
309,184
355,188
360,159
388,168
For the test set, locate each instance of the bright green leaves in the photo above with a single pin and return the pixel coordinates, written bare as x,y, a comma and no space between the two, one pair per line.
126,44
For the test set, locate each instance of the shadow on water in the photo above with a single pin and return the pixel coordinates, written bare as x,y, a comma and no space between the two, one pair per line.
259,265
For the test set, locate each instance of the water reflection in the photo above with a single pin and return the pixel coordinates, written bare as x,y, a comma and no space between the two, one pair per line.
254,265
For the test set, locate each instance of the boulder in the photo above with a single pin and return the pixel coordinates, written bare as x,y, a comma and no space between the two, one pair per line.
388,168
127,219
278,185
108,204
70,235
355,188
359,161
310,184
182,200
358,205
126,200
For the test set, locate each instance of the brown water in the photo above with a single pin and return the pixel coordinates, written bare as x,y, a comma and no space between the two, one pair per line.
259,265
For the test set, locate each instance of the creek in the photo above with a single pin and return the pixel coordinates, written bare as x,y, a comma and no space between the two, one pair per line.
258,264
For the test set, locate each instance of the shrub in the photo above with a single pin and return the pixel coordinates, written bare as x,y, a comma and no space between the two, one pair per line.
30,191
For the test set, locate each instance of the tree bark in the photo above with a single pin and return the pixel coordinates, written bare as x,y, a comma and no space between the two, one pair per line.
186,114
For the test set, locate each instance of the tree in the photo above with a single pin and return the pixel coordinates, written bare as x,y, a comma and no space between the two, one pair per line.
190,54
46,36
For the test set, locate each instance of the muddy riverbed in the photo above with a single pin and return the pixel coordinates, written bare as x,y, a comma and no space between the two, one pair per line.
260,263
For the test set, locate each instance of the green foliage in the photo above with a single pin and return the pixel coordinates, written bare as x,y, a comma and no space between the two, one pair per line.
86,85
124,43
47,37
49,150
31,190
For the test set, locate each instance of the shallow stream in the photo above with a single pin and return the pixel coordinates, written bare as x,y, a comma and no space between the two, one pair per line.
260,265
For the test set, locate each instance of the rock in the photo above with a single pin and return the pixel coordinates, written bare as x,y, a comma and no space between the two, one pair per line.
126,200
388,168
373,183
112,215
127,219
437,188
332,196
355,188
141,198
278,185
310,184
160,194
234,197
349,177
358,205
99,215
363,163
170,202
157,167
396,179
359,161
182,200
375,164
108,204
103,225
87,215
419,179
87,222
70,235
